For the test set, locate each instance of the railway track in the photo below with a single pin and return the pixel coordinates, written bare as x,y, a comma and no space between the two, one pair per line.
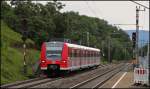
42,80
21,82
29,83
69,81
99,80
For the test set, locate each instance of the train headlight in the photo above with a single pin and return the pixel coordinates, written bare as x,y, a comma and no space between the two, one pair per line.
64,61
43,61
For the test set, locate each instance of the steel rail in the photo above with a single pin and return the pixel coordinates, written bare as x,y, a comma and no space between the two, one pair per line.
36,81
22,82
84,82
42,82
30,83
105,80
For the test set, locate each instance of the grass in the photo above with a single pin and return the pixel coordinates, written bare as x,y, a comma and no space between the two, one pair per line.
104,61
12,55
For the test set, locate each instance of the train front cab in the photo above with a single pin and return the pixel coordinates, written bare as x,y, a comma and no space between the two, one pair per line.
53,57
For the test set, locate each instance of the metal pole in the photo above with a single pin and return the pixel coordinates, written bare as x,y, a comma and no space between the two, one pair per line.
24,63
109,60
147,54
137,34
88,38
24,37
148,50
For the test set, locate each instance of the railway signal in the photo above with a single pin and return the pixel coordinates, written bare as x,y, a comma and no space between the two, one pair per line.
24,37
134,39
133,36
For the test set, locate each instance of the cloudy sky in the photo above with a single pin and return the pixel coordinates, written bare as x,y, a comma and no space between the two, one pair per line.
115,12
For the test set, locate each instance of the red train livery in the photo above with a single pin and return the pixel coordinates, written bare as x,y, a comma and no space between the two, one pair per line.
56,56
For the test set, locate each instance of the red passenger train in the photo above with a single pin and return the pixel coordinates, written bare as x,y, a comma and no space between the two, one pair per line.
61,56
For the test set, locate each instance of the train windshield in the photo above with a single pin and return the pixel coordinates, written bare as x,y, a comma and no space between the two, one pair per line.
54,50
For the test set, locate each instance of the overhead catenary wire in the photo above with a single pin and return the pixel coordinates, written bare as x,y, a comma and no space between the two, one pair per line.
101,14
91,9
140,4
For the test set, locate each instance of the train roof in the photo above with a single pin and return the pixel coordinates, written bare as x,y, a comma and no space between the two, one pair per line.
82,47
74,45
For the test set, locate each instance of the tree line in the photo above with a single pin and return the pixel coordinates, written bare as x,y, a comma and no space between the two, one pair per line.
45,22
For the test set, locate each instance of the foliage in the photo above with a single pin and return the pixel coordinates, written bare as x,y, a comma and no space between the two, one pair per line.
12,55
143,50
45,22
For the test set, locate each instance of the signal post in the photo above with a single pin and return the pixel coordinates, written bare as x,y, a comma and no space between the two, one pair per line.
24,37
137,35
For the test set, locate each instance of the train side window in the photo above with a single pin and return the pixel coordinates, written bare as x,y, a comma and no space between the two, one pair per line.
75,53
79,53
96,54
86,53
89,53
72,53
83,53
92,54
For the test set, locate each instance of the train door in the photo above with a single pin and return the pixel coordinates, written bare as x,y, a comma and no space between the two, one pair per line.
80,57
96,57
75,59
90,57
86,58
70,57
83,58
93,57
